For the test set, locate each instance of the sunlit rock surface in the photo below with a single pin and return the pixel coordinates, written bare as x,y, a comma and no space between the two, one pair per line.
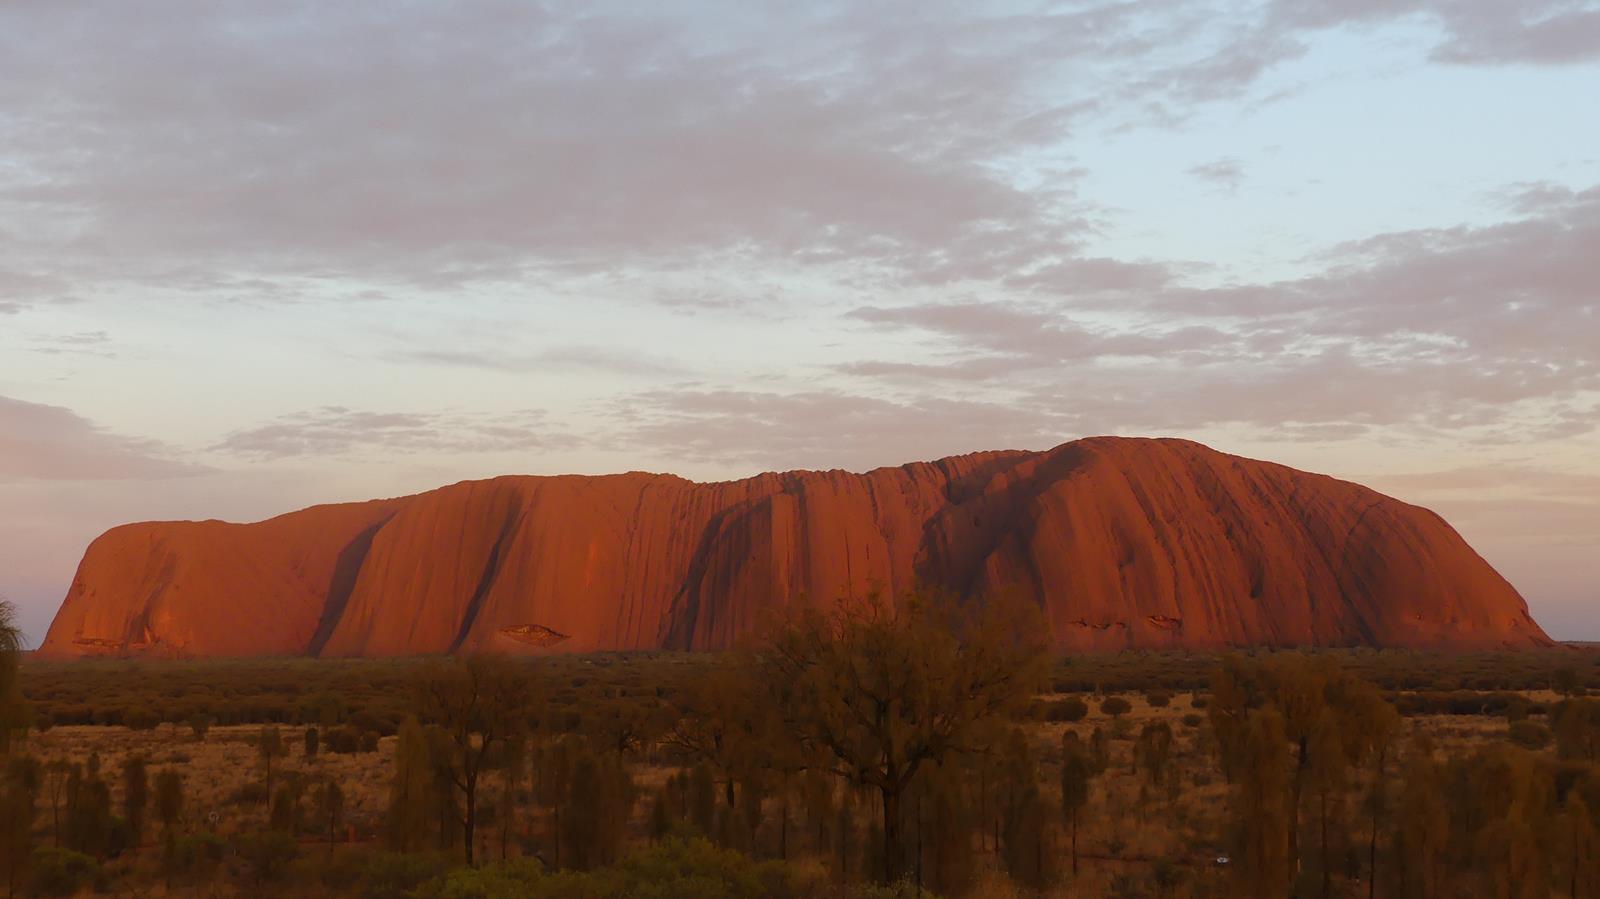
1124,542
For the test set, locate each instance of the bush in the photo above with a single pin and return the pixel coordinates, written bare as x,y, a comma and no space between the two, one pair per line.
267,852
1115,706
1069,710
341,871
506,880
1158,698
395,875
141,719
1529,734
673,869
683,869
1192,720
62,872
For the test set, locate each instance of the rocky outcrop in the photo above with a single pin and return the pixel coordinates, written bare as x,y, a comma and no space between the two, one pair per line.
1124,543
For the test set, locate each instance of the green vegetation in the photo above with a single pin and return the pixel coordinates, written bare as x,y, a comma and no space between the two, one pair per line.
868,751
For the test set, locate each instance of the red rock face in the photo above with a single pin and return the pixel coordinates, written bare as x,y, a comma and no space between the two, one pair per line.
1124,543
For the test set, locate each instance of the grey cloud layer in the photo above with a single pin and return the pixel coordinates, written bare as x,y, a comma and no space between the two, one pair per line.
335,431
222,146
40,442
1441,329
1474,32
240,150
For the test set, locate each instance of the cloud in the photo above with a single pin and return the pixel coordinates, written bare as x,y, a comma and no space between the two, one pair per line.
229,150
820,427
1523,479
1511,501
52,443
82,343
1225,174
569,358
333,431
1487,332
527,137
1473,32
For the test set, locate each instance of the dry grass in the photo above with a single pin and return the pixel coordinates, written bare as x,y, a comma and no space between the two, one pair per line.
217,769
1128,827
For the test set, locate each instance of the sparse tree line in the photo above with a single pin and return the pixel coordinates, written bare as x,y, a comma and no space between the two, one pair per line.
901,744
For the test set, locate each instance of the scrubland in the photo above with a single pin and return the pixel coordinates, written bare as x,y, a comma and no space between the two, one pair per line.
691,807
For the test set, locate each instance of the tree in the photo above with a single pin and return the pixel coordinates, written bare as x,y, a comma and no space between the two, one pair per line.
1565,681
554,769
285,814
269,745
330,809
312,739
135,796
1577,730
88,810
478,703
1582,850
410,792
702,798
169,808
1152,752
1373,732
879,692
944,828
56,773
199,723
1262,810
18,807
513,764
1422,827
1327,764
601,796
14,709
1075,775
1233,694
722,721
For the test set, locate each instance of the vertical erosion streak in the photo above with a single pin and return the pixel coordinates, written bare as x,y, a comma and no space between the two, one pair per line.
491,568
346,571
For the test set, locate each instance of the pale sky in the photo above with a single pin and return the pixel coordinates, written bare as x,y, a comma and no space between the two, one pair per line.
255,256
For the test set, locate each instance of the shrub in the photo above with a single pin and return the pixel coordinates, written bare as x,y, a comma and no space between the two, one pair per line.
507,880
62,872
693,868
1158,698
267,852
1192,720
1115,706
343,740
141,719
1529,734
396,875
1069,710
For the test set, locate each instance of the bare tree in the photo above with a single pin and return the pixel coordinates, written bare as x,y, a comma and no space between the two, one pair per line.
477,702
879,691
